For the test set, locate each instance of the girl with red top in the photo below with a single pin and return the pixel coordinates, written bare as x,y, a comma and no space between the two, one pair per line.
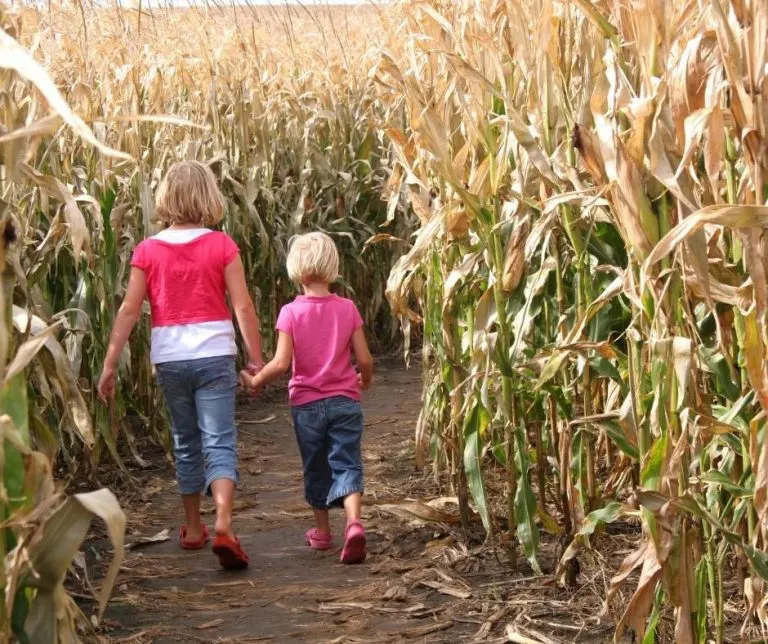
186,272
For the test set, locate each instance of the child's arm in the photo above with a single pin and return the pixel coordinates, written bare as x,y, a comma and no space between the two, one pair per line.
126,319
275,367
363,357
245,312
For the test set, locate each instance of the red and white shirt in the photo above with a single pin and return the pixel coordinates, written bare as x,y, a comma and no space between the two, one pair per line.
184,273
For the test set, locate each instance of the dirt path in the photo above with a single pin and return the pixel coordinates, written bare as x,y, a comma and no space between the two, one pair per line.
420,583
290,593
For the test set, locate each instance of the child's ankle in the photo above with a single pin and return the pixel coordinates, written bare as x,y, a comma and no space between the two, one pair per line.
223,526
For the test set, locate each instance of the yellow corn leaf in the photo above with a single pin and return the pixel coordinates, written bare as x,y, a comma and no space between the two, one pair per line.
60,375
78,229
730,216
639,606
13,56
514,263
27,352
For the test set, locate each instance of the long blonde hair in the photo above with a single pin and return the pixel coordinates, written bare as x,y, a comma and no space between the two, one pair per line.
188,194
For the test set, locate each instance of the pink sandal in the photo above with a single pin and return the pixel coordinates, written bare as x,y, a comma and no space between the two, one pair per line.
354,544
318,540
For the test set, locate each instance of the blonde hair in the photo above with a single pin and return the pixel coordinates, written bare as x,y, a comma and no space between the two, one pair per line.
188,194
312,258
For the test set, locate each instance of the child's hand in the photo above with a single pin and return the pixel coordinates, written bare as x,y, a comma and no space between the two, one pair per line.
106,386
254,367
364,385
247,382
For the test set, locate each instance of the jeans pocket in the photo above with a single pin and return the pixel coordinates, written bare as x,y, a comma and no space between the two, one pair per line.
171,377
305,416
217,374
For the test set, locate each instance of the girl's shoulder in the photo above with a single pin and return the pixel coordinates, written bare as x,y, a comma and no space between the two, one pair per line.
350,312
226,244
346,302
220,236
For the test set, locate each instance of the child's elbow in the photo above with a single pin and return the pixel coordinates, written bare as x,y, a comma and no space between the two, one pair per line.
365,363
130,311
244,308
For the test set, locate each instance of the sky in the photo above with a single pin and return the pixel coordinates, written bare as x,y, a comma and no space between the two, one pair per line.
277,3
274,3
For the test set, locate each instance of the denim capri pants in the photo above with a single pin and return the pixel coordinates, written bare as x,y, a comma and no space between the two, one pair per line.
200,395
329,432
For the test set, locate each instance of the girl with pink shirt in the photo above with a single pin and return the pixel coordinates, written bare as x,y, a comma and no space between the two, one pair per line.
317,335
186,272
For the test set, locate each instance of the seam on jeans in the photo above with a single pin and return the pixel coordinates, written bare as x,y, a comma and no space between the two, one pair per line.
341,401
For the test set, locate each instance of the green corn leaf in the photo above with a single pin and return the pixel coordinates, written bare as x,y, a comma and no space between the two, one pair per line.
701,601
608,514
653,620
525,505
475,424
617,434
718,478
13,402
650,476
607,369
758,559
19,615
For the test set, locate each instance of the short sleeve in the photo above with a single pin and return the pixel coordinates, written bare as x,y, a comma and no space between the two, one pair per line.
285,321
230,250
140,257
357,319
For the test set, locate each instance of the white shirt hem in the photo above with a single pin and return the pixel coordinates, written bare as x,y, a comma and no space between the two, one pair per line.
196,356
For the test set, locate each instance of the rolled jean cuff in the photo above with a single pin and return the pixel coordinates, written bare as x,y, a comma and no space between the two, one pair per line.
217,475
336,498
315,504
187,489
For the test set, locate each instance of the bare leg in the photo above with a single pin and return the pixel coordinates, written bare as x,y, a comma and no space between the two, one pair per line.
322,521
352,506
191,504
223,495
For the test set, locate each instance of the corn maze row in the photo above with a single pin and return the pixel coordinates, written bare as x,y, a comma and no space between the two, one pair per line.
564,202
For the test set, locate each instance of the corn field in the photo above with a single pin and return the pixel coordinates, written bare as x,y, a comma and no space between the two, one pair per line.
564,202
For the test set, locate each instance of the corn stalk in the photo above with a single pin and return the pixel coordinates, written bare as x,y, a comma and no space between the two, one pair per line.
602,173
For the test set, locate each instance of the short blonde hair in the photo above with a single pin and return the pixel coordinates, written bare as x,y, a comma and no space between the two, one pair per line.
312,258
188,194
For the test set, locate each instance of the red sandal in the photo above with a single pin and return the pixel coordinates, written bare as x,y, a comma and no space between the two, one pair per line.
231,555
193,545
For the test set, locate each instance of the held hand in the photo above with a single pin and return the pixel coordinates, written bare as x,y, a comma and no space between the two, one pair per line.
246,381
254,367
106,386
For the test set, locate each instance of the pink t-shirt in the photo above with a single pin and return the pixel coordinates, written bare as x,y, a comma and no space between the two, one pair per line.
185,282
321,329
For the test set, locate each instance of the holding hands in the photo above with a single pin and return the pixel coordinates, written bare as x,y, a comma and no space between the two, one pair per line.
249,379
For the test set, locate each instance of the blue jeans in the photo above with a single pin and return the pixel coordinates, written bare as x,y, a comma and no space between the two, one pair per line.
200,395
329,432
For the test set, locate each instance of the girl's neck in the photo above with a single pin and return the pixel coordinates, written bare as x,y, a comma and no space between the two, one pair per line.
316,289
184,226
